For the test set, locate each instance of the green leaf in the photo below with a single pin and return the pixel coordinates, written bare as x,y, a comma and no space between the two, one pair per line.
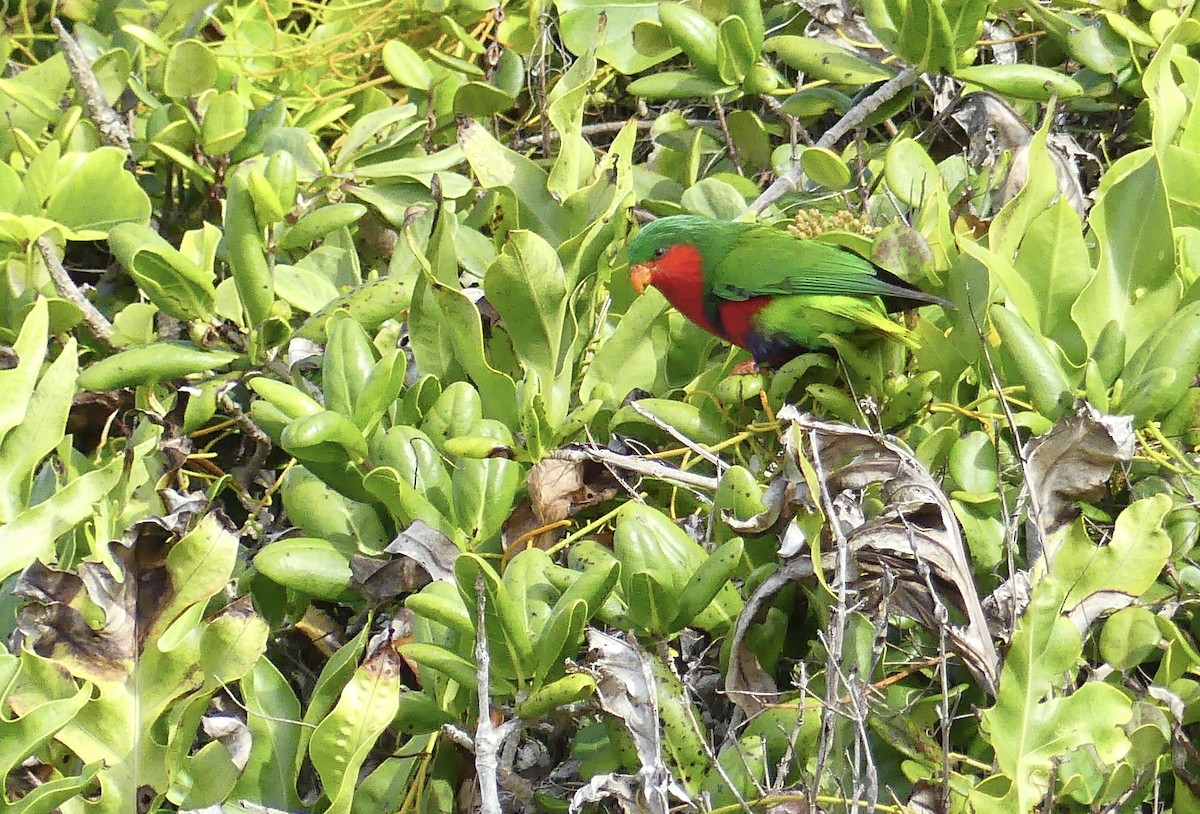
405,65
508,640
348,362
381,390
455,413
926,38
666,85
224,124
169,279
75,204
498,167
651,602
1053,259
1129,563
579,23
26,444
527,286
191,69
273,714
1022,81
824,60
18,382
708,580
1039,190
21,735
421,475
460,316
485,490
1034,359
324,437
736,53
1030,731
713,198
825,167
569,689
560,637
479,99
341,742
1129,637
308,565
565,105
910,172
683,746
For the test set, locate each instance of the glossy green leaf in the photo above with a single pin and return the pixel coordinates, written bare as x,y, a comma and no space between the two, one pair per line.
171,281
191,69
508,639
824,60
405,65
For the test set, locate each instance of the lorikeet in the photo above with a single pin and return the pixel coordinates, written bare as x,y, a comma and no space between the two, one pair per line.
763,289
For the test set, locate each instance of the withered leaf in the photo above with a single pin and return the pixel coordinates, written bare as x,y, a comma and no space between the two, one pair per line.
625,687
379,580
560,489
1074,460
913,545
431,549
746,683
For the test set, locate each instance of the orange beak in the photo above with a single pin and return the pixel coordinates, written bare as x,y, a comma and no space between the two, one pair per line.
640,276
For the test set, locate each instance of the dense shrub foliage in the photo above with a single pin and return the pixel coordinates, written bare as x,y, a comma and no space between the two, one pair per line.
342,469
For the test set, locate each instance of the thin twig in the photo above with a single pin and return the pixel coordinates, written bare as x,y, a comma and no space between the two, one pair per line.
488,737
853,118
679,436
456,734
112,130
97,324
607,128
730,147
1037,543
631,463
837,621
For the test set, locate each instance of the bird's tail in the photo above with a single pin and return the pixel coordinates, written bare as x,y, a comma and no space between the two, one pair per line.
872,320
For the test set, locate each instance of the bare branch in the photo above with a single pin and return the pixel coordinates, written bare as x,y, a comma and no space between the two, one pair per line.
853,118
631,463
97,324
488,737
108,123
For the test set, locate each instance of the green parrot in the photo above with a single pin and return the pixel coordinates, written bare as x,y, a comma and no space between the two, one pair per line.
766,291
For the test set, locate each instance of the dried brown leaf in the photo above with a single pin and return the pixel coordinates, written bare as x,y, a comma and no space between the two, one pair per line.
913,545
1074,460
625,688
380,580
431,549
746,683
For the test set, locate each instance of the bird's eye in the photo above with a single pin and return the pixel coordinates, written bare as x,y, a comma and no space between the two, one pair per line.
659,253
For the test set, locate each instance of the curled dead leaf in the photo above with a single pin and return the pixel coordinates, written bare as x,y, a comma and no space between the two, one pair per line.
910,554
994,128
428,547
558,490
1074,460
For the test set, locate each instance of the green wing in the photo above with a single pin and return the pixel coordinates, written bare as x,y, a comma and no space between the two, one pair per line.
764,261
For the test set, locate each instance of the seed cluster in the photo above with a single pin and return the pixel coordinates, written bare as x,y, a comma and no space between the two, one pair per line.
812,222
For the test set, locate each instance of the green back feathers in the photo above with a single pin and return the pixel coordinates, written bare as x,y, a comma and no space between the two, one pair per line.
744,260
